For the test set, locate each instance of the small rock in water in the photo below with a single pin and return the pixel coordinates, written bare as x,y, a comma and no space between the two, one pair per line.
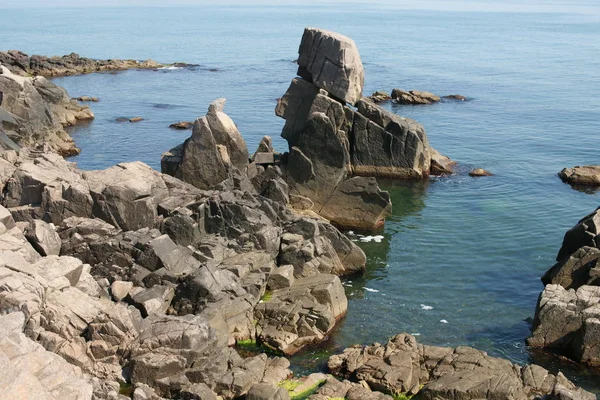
587,175
121,119
88,98
136,119
182,125
457,97
480,172
380,96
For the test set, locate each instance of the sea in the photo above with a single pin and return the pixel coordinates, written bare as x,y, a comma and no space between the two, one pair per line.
459,262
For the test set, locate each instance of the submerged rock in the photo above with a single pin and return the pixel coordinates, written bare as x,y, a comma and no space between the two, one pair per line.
182,125
480,172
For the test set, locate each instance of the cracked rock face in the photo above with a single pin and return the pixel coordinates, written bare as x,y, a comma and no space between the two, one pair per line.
33,110
404,366
208,156
567,318
331,61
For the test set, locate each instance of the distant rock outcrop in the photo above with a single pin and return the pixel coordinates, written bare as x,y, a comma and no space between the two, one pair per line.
567,318
34,111
72,64
414,97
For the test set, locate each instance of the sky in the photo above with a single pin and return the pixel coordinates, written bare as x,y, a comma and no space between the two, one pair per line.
474,5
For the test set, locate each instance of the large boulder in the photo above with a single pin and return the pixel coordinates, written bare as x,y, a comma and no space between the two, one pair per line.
33,110
208,156
302,314
588,175
331,61
568,322
567,317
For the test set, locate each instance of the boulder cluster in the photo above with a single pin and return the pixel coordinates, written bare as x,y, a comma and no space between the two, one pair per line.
339,142
136,277
130,283
567,319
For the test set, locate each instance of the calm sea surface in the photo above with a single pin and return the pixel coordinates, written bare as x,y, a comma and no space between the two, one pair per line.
460,260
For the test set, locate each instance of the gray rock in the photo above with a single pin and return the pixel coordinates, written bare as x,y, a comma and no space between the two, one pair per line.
198,391
568,321
588,175
43,237
580,268
36,111
119,289
208,156
414,97
331,61
282,277
404,366
155,300
300,315
585,233
31,372
267,391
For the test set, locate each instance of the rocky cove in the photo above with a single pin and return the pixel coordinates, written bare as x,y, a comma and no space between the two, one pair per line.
138,278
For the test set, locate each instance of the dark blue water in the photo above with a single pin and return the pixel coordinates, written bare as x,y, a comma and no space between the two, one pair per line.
461,250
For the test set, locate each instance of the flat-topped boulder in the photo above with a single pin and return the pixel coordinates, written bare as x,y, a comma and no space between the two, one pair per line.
587,175
331,61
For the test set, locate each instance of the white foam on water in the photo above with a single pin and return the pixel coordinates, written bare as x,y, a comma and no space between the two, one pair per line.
443,321
376,239
371,290
426,307
171,68
416,334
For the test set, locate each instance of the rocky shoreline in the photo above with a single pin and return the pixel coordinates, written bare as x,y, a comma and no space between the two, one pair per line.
130,283
22,64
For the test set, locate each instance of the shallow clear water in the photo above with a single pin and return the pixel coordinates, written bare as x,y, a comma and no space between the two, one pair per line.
472,249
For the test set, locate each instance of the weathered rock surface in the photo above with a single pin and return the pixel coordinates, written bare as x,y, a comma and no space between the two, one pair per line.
34,111
414,97
380,96
71,64
335,150
404,366
31,372
209,155
331,61
480,172
588,175
302,314
567,318
182,125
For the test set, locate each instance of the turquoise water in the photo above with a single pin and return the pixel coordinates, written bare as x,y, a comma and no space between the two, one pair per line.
471,249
